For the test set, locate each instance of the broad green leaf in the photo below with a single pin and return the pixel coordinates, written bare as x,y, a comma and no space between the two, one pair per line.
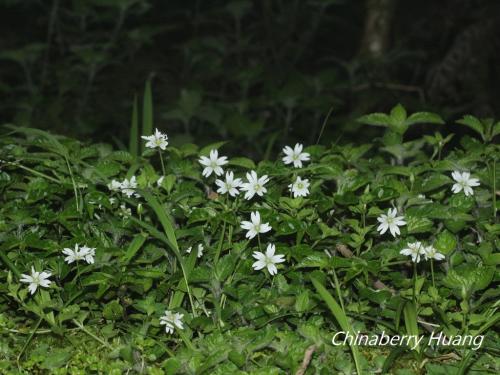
424,117
473,123
446,242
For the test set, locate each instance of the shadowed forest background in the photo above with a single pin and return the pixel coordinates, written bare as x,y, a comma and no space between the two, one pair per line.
259,73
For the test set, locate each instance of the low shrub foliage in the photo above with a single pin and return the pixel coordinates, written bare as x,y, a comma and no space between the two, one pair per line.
187,260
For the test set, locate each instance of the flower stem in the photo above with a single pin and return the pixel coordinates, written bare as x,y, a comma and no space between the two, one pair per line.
162,164
415,282
258,239
432,273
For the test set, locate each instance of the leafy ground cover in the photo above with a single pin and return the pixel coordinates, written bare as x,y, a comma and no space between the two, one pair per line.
161,261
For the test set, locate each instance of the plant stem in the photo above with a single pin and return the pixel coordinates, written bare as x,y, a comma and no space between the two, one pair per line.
415,282
221,240
162,164
98,339
432,273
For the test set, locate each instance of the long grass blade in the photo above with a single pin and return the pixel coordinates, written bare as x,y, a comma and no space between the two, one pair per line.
341,318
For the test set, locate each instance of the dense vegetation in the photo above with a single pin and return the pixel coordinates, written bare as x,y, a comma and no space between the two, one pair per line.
164,279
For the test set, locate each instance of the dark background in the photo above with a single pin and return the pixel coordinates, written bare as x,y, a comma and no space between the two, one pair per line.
260,73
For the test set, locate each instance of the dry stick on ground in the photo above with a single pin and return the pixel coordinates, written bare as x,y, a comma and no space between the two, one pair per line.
307,359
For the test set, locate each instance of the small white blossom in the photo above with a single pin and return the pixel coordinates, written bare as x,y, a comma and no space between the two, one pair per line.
158,139
254,185
171,320
230,186
267,260
295,155
415,250
200,250
36,279
79,253
129,186
213,164
254,227
89,253
160,181
125,211
430,252
300,188
115,185
464,182
391,222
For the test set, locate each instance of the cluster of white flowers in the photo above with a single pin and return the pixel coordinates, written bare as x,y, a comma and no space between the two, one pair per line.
417,249
158,139
171,320
41,279
79,253
126,187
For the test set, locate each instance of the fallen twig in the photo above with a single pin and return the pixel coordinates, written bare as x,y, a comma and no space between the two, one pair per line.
307,359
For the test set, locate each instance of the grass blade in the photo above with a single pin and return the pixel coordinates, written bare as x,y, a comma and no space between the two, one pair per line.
341,318
411,324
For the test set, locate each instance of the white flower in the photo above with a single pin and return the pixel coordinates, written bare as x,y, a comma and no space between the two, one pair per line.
200,250
213,164
414,250
254,226
254,185
230,186
464,182
80,253
128,187
391,222
295,155
160,181
300,188
124,211
115,185
430,252
268,260
171,320
88,253
36,279
73,255
158,139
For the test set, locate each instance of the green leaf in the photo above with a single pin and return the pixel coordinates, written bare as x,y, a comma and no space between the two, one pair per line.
133,248
411,324
446,242
113,310
341,318
473,123
424,117
242,162
398,119
375,119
